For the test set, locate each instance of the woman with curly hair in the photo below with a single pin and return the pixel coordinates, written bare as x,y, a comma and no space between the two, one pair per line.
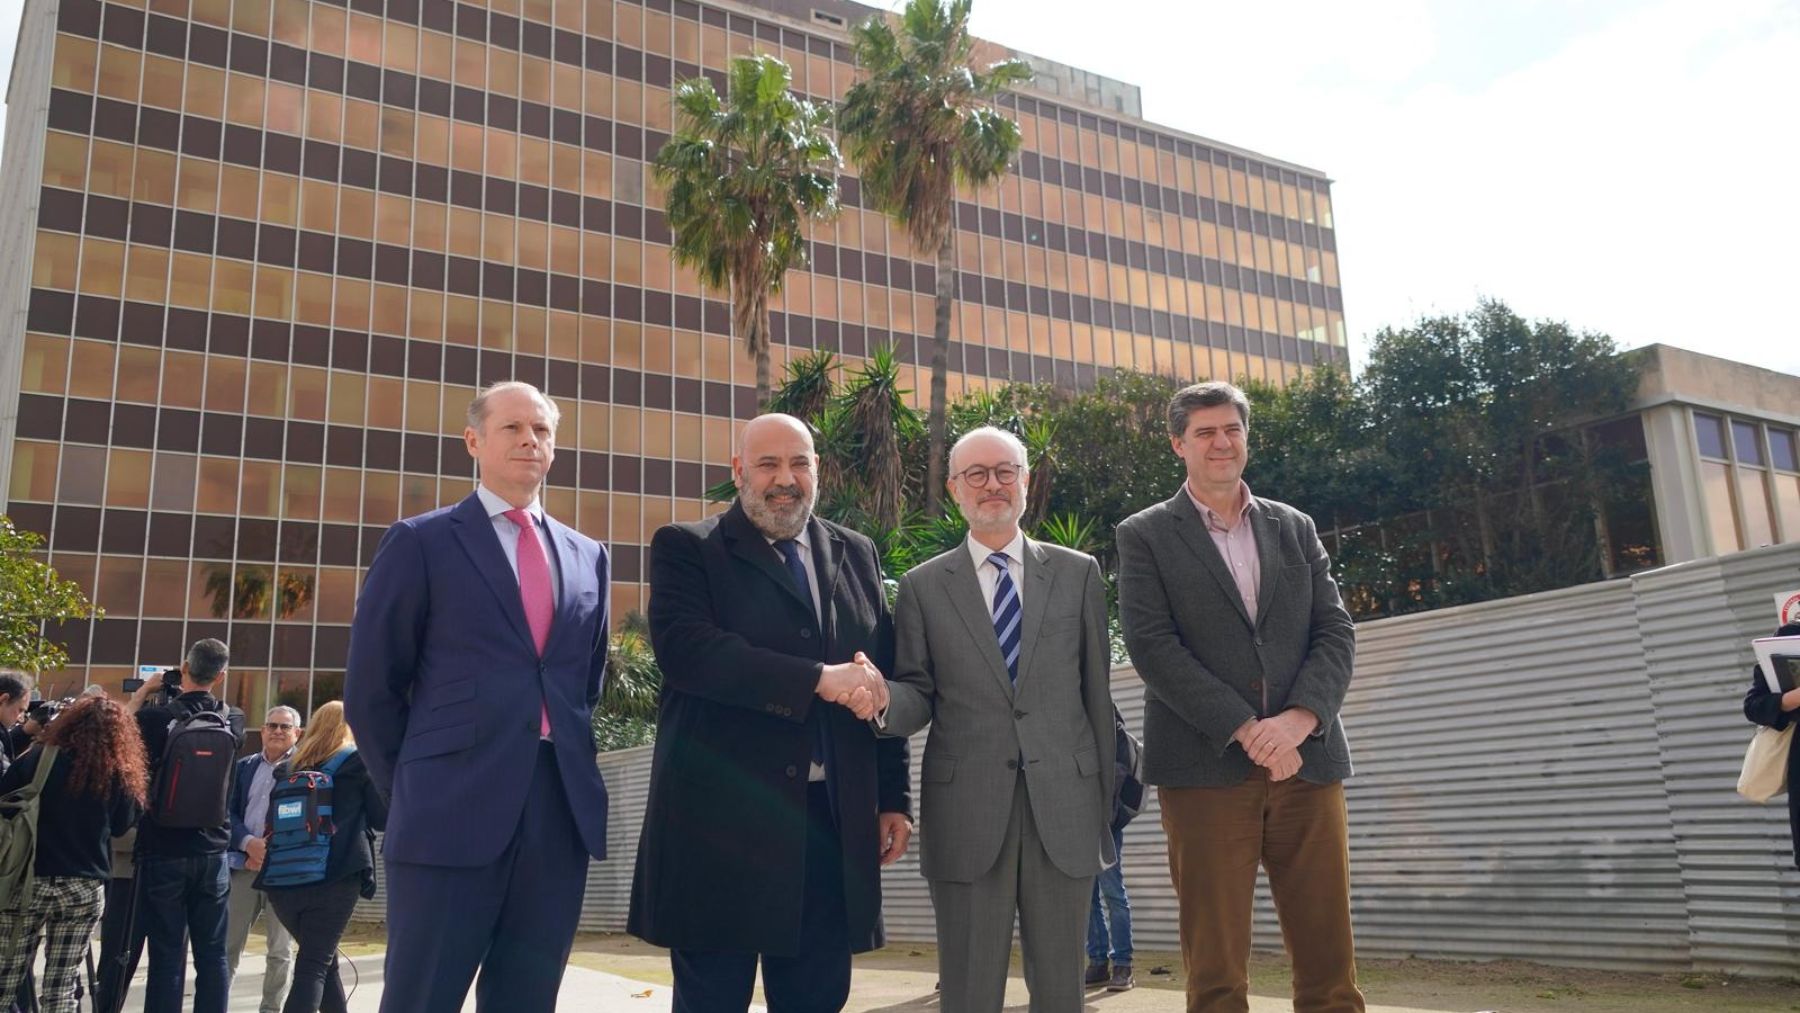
93,793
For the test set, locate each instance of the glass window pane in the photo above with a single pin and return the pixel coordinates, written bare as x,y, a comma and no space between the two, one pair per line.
1782,450
173,486
1787,505
1710,430
1721,510
1749,447
1753,493
83,475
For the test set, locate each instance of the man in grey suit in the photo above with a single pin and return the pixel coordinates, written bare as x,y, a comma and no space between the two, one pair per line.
1002,649
1235,625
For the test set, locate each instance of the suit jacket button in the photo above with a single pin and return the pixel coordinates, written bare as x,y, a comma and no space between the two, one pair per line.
769,707
1256,684
805,634
793,771
1018,714
1259,641
1012,765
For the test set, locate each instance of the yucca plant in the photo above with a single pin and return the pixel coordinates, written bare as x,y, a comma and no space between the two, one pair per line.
809,387
1071,531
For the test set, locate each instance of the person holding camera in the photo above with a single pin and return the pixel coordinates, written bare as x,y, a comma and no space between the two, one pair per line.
15,697
183,882
93,792
314,892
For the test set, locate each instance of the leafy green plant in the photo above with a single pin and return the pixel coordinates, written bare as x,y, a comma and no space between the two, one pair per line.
32,594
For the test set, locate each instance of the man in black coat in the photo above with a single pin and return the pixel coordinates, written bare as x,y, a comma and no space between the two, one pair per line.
772,806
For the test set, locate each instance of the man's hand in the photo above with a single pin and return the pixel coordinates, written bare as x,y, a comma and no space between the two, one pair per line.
857,685
141,694
1283,765
255,850
1283,732
896,833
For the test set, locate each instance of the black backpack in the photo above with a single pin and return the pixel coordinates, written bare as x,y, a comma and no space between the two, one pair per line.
1130,760
192,787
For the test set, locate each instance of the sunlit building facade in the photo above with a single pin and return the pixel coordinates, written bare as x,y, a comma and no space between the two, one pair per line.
260,254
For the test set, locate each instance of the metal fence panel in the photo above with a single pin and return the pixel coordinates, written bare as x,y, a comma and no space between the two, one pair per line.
1545,778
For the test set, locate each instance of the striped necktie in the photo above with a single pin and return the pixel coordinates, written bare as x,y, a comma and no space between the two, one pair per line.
1007,613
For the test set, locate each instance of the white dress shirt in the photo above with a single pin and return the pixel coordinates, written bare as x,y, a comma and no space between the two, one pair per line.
509,534
989,576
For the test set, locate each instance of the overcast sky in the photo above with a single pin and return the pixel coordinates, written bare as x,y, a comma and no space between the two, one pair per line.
1626,166
1629,167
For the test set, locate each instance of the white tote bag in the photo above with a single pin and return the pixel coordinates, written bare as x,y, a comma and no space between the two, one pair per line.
1765,764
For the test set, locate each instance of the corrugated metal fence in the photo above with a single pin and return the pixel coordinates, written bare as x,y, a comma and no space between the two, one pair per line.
1545,778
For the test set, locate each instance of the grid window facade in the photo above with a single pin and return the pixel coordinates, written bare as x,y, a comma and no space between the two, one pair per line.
280,244
1750,478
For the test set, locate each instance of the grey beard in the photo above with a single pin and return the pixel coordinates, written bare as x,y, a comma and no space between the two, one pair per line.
776,525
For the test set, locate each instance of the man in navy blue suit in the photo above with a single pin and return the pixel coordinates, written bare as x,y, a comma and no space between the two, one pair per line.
476,658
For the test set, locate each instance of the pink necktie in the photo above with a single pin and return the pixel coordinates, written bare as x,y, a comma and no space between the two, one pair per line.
535,592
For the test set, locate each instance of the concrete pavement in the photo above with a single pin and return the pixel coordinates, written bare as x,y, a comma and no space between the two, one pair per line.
875,990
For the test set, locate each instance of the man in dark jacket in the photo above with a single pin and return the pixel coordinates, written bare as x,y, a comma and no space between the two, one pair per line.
15,696
183,883
771,807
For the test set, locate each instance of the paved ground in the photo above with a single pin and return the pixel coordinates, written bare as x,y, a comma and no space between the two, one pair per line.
617,974
877,991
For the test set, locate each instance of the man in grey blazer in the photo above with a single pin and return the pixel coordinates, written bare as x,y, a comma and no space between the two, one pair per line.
1235,626
1002,649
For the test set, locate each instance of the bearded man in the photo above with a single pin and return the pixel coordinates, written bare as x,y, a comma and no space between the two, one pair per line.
772,806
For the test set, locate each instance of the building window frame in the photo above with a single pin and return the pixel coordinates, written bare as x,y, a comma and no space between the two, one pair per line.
1739,474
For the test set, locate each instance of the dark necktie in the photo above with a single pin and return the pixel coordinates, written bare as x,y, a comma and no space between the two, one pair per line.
1007,613
790,553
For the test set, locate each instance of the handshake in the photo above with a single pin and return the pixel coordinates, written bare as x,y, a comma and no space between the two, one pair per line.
855,684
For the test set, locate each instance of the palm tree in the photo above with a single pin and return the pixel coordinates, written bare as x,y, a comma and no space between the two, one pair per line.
920,123
744,175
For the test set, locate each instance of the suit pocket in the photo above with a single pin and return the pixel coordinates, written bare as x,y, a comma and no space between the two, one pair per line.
1087,761
438,741
938,768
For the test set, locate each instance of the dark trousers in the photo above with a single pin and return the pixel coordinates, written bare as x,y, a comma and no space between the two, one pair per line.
121,944
188,895
316,917
817,978
513,919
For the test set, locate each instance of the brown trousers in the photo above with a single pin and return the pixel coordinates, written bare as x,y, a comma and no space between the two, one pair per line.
1298,831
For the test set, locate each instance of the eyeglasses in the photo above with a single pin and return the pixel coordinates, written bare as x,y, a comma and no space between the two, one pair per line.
277,726
977,474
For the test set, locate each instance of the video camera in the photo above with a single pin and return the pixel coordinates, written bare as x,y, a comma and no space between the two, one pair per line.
45,711
171,684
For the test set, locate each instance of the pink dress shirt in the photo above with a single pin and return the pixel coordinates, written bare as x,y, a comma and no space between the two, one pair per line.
1236,540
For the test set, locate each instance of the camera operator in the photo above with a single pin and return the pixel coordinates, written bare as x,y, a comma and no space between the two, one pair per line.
14,698
182,878
93,791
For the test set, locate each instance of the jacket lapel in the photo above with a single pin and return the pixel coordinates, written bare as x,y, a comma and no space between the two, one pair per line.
1268,555
1038,580
828,559
475,532
1191,528
568,562
964,591
748,544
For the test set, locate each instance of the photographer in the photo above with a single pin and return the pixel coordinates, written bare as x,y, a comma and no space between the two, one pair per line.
182,880
14,698
93,792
